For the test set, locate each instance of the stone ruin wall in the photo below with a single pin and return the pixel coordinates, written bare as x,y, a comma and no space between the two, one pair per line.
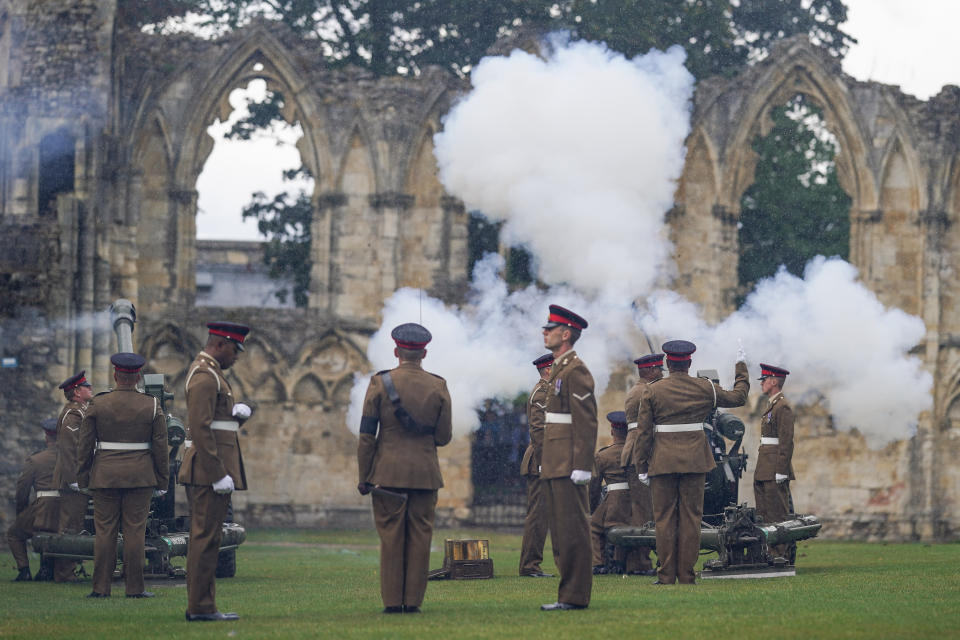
136,108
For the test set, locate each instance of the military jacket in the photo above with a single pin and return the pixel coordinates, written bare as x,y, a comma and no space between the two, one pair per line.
68,442
608,470
214,452
681,399
530,465
631,408
570,421
123,415
391,455
37,474
777,422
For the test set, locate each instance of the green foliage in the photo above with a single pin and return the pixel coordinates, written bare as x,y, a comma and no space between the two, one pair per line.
795,209
262,114
135,14
483,237
286,222
762,22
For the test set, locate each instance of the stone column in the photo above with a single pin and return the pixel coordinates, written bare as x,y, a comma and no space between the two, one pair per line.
326,206
390,207
183,262
861,242
455,250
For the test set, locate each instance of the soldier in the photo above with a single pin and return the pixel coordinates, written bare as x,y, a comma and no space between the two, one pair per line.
771,480
73,504
650,369
43,513
412,409
212,466
672,455
570,436
123,461
614,510
535,524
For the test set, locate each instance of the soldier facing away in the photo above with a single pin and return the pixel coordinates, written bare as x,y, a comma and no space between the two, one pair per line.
212,466
406,416
672,454
771,480
41,514
570,437
123,462
535,524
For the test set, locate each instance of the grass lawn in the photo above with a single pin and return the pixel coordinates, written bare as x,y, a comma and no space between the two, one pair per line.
324,584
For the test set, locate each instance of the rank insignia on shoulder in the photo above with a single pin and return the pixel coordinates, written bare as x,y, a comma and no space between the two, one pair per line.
556,387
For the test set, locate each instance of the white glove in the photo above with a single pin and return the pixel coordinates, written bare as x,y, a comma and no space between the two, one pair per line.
580,477
741,354
75,486
644,479
159,492
224,484
242,411
781,478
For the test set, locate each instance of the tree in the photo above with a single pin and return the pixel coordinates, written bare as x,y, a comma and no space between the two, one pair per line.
795,209
761,22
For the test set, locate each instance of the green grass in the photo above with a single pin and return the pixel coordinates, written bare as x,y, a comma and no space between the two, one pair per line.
324,584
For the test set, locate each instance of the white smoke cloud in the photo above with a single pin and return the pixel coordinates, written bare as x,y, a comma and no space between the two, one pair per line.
579,154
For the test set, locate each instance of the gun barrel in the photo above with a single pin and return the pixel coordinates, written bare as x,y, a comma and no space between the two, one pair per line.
800,528
123,316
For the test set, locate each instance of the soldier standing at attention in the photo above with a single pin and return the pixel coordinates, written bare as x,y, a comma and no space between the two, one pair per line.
614,510
212,466
535,524
43,513
771,480
123,461
570,437
73,504
650,369
411,408
672,455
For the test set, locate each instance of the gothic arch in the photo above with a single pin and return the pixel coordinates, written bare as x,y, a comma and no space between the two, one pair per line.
358,166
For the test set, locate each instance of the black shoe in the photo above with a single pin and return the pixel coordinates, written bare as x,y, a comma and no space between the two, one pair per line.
657,582
211,617
599,570
145,594
23,575
94,594
393,609
536,574
407,609
561,606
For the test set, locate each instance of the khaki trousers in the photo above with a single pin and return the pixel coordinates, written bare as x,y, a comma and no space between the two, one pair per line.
772,499
641,512
677,511
405,530
19,532
535,528
113,510
207,511
73,509
568,506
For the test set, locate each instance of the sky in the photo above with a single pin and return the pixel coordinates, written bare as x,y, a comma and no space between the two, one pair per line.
909,43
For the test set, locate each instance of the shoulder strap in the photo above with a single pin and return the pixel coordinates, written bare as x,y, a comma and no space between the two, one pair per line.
402,414
390,388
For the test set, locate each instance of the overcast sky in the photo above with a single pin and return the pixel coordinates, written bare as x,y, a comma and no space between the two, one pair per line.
911,43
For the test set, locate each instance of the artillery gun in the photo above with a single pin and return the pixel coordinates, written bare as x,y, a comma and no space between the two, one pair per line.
739,536
167,534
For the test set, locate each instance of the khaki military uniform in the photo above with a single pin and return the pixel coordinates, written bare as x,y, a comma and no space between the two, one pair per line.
614,510
673,450
213,454
72,504
641,501
570,437
43,513
393,457
535,525
772,497
122,459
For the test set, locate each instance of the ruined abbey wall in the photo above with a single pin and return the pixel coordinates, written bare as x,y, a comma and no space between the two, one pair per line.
131,110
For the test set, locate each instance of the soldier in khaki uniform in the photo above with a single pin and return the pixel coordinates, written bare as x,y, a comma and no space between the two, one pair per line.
650,369
406,416
123,461
535,524
771,480
614,509
212,466
570,437
672,454
43,513
73,504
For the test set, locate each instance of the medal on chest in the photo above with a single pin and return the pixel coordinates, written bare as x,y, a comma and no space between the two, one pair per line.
556,387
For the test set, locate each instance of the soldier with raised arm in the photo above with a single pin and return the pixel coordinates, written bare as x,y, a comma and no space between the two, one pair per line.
672,455
406,416
212,466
